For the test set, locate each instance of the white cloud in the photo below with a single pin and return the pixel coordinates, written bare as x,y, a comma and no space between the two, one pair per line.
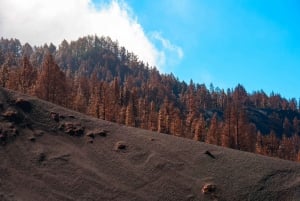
168,45
170,54
44,21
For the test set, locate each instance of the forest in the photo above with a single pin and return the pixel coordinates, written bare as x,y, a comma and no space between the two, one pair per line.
96,76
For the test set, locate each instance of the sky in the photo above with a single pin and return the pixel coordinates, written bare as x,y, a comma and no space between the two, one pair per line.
224,42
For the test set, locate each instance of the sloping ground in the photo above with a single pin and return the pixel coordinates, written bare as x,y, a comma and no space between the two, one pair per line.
51,153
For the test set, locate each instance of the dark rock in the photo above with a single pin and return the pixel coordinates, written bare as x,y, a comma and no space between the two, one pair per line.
121,145
32,138
90,134
54,116
210,154
72,129
12,116
79,131
102,133
209,188
93,134
23,104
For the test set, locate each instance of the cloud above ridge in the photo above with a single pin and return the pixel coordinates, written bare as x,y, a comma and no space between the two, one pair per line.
42,21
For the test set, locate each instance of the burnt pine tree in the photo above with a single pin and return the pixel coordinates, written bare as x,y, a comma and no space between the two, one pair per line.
27,76
51,82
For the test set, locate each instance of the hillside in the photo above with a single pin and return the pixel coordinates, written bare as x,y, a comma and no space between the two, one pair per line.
51,153
95,76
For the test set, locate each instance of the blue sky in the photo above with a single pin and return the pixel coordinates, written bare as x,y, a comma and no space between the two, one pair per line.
226,42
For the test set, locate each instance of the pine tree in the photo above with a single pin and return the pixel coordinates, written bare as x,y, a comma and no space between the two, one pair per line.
130,119
143,113
272,144
163,118
51,83
27,76
152,117
200,129
287,127
212,134
94,105
259,146
227,138
4,74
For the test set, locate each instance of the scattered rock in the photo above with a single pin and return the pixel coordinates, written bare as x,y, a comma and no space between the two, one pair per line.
210,154
31,138
90,134
102,133
152,139
121,145
23,104
209,188
93,134
54,116
72,128
12,116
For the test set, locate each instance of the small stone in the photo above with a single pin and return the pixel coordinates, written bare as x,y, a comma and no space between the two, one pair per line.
90,134
121,145
54,116
210,154
12,116
31,138
74,129
209,188
101,133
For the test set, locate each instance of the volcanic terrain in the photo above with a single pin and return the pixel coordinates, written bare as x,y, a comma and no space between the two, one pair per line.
49,153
